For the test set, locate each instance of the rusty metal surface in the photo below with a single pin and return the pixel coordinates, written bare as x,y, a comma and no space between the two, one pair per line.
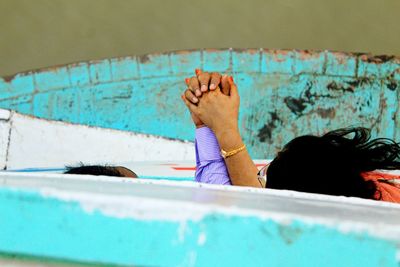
284,93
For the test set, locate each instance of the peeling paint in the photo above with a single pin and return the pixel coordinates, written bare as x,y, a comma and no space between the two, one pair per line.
143,220
295,105
377,59
141,94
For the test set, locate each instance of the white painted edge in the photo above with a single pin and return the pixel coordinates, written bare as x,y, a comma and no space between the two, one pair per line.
149,208
43,143
5,114
5,132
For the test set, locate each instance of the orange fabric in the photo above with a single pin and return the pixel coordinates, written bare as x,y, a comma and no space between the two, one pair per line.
387,184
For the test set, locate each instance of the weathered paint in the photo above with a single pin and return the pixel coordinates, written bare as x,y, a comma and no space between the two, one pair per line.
27,142
104,220
284,93
5,126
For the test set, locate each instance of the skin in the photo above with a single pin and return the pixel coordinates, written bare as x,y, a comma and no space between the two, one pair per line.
200,84
126,172
220,112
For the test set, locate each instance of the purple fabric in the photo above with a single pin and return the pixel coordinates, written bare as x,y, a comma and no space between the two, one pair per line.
210,166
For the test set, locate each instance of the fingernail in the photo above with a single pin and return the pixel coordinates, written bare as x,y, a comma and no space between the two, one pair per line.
187,80
198,93
204,88
194,99
231,78
212,86
197,71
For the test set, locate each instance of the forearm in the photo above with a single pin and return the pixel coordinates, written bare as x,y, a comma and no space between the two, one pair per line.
241,167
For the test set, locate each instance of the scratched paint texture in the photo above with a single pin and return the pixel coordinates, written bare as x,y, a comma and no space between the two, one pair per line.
49,227
284,93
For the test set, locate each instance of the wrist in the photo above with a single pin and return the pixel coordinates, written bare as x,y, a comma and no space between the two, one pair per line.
223,129
229,138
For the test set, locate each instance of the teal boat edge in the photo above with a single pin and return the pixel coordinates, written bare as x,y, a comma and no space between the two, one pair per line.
284,93
43,226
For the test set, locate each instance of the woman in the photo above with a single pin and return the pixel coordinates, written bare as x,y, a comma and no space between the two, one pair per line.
341,162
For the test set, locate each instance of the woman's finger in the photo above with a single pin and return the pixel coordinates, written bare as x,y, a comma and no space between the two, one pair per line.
225,87
194,86
191,97
192,107
234,91
204,79
215,80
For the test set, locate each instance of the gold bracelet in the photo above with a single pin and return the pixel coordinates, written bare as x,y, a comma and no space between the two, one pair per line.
226,154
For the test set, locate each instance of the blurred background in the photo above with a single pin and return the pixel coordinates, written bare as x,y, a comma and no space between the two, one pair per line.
40,33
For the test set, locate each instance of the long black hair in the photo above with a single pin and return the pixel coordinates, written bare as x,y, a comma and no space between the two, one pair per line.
332,164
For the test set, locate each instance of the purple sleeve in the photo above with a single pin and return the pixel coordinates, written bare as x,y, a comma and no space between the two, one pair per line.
210,166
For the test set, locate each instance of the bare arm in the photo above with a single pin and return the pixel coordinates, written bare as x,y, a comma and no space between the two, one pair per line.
241,168
220,113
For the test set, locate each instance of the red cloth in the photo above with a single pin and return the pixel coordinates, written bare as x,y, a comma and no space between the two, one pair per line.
388,185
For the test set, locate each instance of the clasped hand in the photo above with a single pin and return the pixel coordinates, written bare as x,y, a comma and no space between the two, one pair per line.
213,100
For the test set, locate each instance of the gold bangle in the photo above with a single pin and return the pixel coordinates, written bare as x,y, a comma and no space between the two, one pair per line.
226,154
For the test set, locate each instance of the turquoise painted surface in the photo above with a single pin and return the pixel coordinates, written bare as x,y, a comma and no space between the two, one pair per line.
48,227
283,93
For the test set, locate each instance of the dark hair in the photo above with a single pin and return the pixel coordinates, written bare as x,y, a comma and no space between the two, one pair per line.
332,164
99,170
